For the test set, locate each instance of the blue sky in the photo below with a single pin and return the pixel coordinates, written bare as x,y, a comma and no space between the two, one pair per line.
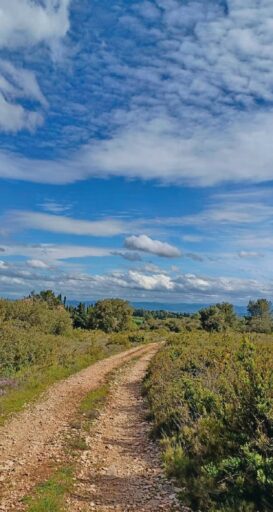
136,149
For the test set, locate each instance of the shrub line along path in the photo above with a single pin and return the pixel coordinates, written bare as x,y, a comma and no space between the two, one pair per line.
31,442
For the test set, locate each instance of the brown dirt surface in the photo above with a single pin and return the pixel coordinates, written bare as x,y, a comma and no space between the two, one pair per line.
31,441
121,469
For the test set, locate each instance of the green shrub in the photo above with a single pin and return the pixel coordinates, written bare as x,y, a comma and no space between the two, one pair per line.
29,333
136,338
31,313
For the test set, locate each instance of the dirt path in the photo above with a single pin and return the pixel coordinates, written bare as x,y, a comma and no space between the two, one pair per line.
121,469
31,442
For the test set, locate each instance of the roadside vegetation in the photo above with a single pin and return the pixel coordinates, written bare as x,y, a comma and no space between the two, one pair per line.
211,400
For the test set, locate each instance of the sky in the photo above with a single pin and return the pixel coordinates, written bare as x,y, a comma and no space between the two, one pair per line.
136,149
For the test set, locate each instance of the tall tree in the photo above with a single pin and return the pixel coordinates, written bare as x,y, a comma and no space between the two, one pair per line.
47,296
219,317
80,316
111,315
260,315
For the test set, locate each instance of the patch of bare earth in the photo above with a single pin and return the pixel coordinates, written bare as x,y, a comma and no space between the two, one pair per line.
121,469
31,442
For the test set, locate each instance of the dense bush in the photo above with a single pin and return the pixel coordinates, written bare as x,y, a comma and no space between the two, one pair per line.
31,332
28,313
219,317
111,315
211,397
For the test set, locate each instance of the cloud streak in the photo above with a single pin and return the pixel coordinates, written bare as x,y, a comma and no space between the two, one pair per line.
65,225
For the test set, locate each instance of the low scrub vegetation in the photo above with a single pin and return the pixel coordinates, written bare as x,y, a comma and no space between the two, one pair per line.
211,398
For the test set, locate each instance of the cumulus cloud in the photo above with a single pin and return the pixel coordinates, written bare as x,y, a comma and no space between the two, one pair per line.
146,244
150,282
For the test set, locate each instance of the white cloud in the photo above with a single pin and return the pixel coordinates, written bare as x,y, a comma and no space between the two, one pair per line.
147,244
150,282
246,208
250,254
132,285
54,207
240,152
28,22
51,253
16,84
37,264
66,225
237,154
201,94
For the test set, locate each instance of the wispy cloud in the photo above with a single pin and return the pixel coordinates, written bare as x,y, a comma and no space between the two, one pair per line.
250,254
37,264
128,255
50,253
18,84
66,225
52,206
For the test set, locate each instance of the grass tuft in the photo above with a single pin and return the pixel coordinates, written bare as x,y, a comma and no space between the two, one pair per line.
50,496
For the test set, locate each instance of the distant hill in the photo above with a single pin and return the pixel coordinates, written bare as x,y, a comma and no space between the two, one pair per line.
182,307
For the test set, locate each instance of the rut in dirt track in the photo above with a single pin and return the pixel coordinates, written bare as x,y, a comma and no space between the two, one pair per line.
31,442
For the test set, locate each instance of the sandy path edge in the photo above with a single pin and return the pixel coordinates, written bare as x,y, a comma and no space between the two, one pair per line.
29,439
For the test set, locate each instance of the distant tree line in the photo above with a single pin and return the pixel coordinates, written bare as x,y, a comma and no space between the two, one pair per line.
160,314
115,315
